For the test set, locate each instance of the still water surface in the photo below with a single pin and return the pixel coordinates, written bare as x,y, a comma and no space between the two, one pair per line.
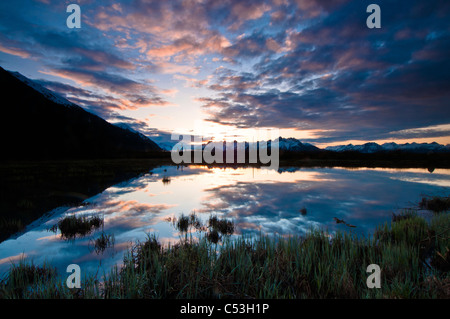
257,200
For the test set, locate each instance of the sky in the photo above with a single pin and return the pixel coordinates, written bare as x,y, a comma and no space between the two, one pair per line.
311,69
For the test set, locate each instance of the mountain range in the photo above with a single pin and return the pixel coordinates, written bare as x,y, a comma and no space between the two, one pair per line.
371,147
293,145
284,144
40,124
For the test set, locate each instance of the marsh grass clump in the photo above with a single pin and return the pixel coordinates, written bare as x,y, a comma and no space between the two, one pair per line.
26,280
215,227
438,243
23,277
183,224
312,266
225,227
25,204
410,229
24,273
436,204
187,223
404,214
218,228
73,226
166,180
103,242
213,236
10,225
411,252
141,252
151,271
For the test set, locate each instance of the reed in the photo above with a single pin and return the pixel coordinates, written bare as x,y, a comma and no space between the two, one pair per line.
312,266
411,252
436,204
11,225
78,226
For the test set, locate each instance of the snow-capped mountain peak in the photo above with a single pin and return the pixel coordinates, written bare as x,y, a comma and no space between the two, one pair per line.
293,144
388,147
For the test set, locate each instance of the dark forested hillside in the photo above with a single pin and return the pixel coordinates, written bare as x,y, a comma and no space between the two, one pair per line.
35,125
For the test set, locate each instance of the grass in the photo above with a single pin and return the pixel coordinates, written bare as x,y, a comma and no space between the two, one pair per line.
28,281
223,226
413,255
103,242
436,204
11,225
404,214
78,226
215,228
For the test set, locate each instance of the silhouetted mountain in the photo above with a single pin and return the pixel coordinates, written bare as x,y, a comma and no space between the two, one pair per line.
391,147
39,124
129,128
284,145
293,145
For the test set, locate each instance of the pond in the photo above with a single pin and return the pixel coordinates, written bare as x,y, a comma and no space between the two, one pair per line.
289,201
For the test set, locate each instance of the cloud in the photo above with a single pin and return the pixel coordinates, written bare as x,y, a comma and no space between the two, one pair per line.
301,65
420,132
242,12
15,51
123,87
337,75
89,59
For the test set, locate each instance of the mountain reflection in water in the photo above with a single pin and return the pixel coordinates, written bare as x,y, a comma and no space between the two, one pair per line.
289,201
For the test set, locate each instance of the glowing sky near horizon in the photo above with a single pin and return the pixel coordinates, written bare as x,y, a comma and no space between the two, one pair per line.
311,69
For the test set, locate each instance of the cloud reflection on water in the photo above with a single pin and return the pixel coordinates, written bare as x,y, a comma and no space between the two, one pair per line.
257,200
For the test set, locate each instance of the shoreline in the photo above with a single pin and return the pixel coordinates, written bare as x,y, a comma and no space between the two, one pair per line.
410,251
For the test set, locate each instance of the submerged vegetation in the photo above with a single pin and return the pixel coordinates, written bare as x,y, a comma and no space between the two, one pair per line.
436,204
215,228
77,226
413,255
104,241
11,225
166,180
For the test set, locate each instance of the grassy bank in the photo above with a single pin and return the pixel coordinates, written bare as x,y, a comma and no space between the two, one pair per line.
413,255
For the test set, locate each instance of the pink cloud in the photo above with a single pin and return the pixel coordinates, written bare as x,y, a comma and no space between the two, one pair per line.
15,51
